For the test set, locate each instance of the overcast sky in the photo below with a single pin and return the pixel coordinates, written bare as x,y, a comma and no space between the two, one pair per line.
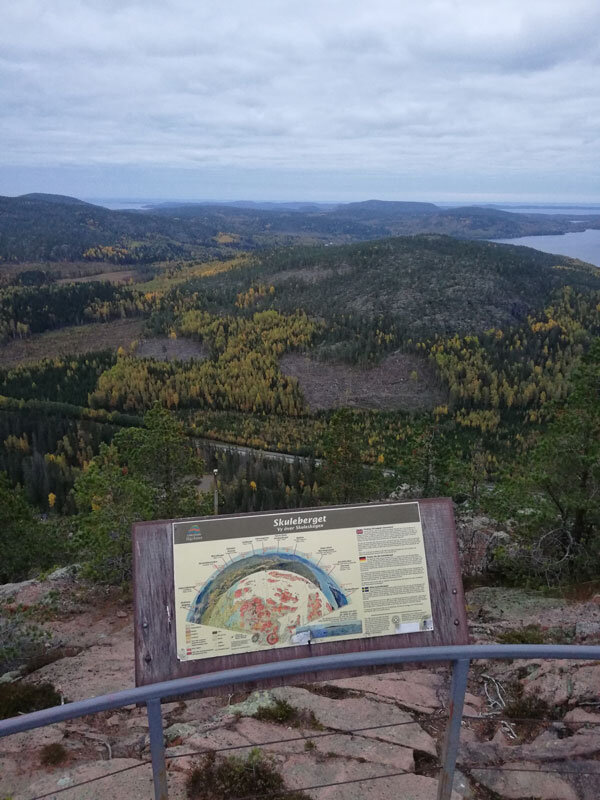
319,99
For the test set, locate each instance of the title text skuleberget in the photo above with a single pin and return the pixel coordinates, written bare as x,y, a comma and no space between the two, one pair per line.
279,522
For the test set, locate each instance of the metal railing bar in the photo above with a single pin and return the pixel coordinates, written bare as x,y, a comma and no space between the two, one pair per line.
282,669
157,749
460,656
458,688
325,734
230,748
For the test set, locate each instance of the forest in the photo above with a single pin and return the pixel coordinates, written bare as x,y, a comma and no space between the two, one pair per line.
510,336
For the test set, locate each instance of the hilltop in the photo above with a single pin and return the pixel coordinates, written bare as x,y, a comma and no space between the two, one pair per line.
318,733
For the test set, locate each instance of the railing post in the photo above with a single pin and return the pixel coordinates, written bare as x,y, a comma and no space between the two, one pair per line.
460,672
157,749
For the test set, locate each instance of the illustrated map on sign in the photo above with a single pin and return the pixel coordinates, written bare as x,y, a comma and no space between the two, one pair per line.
272,596
298,583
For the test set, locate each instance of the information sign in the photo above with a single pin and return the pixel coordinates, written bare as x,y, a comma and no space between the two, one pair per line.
235,590
273,580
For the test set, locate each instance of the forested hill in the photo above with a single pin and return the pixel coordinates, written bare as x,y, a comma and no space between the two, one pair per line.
42,227
424,284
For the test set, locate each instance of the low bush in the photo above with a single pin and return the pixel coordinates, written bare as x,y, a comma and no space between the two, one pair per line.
283,713
21,640
528,706
534,634
233,777
53,754
21,698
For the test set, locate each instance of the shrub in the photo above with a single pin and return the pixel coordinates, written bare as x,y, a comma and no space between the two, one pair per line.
283,713
528,706
26,543
234,777
534,634
280,712
53,754
530,634
21,698
20,639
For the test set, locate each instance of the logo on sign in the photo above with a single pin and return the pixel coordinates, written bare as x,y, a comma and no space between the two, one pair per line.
194,532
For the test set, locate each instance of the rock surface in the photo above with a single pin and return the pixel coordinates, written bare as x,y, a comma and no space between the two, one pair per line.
376,736
131,779
526,784
372,718
422,693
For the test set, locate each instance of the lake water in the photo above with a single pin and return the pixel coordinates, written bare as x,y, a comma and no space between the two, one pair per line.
566,209
121,205
584,245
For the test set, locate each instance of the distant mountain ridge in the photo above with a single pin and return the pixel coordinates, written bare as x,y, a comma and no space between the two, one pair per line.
386,208
59,199
49,227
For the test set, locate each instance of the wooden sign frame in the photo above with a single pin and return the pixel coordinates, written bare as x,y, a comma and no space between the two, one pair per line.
154,603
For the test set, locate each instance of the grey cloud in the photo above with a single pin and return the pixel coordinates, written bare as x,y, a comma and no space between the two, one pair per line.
433,91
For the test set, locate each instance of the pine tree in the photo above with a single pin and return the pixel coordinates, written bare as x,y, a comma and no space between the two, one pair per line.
161,456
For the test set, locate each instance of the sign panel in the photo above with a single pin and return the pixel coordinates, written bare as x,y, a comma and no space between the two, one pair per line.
406,556
267,581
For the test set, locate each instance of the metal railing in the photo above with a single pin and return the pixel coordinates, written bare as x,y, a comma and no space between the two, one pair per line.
460,658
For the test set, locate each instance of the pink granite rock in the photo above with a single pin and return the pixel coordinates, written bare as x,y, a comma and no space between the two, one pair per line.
217,740
370,718
527,784
135,784
358,781
580,714
273,737
360,747
584,742
416,696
